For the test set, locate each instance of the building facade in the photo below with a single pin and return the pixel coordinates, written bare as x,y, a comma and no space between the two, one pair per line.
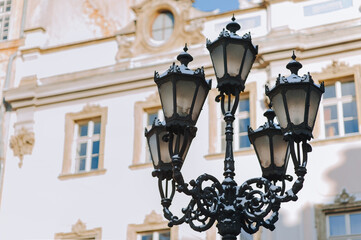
78,91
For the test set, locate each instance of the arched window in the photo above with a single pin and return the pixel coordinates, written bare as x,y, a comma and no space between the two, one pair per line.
163,25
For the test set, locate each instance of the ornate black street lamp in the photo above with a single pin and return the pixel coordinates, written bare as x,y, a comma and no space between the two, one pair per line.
256,202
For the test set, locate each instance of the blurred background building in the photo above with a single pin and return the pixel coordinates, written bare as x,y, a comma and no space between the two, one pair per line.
78,91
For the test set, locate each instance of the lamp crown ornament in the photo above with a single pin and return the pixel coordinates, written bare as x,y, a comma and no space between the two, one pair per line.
294,65
233,26
184,58
255,203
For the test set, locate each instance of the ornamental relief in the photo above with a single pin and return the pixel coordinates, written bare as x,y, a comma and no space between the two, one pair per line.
187,28
22,144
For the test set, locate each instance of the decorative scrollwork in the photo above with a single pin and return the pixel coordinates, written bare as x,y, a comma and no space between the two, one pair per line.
257,200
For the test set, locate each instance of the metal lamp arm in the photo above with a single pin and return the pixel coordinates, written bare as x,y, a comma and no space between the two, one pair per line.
300,170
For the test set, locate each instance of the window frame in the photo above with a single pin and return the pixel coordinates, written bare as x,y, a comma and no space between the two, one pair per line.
153,222
79,231
163,14
337,71
70,141
5,17
344,204
214,142
141,109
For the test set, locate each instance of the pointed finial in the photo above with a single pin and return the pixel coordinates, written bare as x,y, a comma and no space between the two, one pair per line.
293,55
233,26
185,57
293,65
185,49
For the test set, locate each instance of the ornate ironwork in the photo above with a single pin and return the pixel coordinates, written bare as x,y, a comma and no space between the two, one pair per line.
249,206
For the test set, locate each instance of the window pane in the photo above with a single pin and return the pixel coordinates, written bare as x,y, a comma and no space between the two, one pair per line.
330,112
95,161
244,142
243,105
151,118
337,225
351,126
355,221
83,130
82,149
331,129
97,127
330,92
95,147
243,125
348,88
147,237
349,109
164,236
81,164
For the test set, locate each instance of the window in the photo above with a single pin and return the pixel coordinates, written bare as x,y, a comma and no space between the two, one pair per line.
342,226
153,228
84,142
341,220
155,235
87,142
339,118
5,8
163,25
340,109
244,117
79,232
241,123
144,114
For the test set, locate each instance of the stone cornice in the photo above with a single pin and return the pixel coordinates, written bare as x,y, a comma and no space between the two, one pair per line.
309,43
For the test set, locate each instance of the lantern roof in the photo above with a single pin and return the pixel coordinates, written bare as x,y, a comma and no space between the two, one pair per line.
294,66
184,58
232,27
270,115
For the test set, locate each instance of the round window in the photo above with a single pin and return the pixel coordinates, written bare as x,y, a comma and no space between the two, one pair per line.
163,26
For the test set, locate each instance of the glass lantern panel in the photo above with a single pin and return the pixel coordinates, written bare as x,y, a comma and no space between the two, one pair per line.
235,54
247,65
164,149
153,149
315,98
280,149
296,102
201,96
185,94
261,144
166,96
218,61
279,108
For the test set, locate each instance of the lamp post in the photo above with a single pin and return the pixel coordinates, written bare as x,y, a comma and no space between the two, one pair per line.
256,202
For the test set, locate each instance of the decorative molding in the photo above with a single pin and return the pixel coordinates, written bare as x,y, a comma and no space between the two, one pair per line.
78,227
79,231
88,112
344,198
152,218
153,222
22,143
344,203
187,28
335,67
124,47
